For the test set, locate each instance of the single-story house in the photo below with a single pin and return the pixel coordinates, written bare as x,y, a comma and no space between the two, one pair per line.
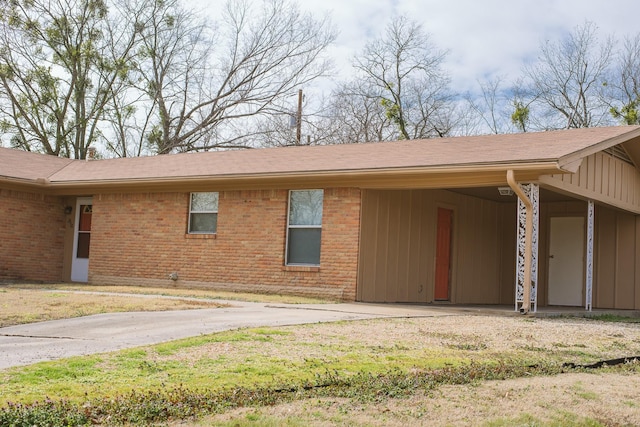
530,219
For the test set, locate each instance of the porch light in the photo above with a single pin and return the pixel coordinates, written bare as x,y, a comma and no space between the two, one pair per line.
505,191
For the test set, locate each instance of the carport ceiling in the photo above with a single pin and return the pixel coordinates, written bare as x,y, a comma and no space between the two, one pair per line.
491,193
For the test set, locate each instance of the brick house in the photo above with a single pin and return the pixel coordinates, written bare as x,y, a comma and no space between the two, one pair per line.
459,220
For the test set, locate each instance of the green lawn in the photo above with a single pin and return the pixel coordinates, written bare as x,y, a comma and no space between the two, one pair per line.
326,371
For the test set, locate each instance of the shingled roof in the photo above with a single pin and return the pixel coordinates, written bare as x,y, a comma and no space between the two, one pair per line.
550,152
22,165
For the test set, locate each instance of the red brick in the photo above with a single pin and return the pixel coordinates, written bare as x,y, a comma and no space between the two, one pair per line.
32,229
141,239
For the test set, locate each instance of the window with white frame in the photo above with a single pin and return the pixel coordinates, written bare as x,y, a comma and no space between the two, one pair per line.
304,227
203,213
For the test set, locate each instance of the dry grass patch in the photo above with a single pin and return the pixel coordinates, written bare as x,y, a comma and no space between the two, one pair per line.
561,400
424,340
19,306
28,303
178,292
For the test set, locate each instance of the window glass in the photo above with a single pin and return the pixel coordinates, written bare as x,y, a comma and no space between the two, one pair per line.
204,202
84,231
84,240
304,246
304,227
85,217
204,222
305,207
203,213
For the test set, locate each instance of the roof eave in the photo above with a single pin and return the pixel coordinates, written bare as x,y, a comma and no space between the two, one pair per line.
421,177
569,161
25,184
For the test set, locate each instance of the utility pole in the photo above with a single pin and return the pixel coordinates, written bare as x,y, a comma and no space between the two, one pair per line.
299,119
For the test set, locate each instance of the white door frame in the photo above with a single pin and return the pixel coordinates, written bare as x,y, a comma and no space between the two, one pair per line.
79,266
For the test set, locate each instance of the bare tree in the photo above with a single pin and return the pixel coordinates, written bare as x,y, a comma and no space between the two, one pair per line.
62,62
624,86
148,75
355,114
350,114
204,86
566,81
128,118
404,71
491,106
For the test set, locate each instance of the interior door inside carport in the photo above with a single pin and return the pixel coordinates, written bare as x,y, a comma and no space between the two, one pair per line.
566,261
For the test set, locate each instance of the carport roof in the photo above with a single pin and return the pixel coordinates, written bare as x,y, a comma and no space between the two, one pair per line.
542,152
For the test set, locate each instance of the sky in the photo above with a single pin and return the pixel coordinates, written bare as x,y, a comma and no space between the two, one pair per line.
485,38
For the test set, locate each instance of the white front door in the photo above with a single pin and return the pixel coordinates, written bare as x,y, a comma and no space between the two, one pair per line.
81,240
566,261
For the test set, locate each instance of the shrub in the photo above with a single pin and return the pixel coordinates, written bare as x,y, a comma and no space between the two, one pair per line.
48,413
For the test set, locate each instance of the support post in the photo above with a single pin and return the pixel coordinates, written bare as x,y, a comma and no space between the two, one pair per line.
527,245
589,264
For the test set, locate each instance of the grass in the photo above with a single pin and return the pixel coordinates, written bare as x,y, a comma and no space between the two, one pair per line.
163,403
187,293
244,358
614,318
28,303
562,419
362,390
19,306
329,369
254,358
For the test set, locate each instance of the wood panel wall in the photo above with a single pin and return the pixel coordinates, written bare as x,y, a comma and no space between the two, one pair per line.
397,251
397,255
617,261
603,178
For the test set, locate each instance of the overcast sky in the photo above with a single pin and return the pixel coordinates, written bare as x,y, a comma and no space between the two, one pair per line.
484,37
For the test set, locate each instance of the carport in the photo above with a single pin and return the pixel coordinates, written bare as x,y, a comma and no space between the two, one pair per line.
459,237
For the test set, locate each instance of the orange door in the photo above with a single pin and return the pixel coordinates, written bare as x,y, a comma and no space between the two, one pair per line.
443,254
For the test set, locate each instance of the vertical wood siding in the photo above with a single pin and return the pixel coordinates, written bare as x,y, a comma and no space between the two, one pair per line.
617,263
397,251
398,242
603,178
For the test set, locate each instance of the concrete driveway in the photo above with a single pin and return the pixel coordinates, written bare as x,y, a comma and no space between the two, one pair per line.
37,342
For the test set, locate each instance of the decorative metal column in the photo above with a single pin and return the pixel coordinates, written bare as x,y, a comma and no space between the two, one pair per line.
533,192
589,264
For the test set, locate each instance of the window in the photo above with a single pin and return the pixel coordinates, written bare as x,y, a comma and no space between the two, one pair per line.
304,227
203,213
84,231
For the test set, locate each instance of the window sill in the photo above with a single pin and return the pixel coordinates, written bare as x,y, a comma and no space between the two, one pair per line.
305,268
200,236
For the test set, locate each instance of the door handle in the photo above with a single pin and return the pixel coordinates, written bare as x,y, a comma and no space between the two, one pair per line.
550,256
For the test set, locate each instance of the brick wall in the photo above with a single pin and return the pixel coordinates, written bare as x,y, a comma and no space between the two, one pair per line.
32,229
141,239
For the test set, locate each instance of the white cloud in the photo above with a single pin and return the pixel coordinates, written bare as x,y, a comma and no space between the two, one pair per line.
484,37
